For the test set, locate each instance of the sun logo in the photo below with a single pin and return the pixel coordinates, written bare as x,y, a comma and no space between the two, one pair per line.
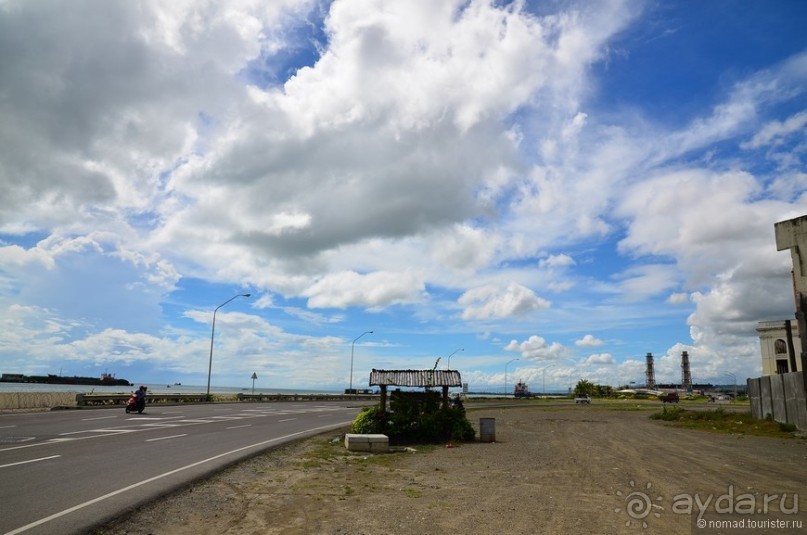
639,505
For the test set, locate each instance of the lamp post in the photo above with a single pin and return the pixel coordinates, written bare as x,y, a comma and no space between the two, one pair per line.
351,358
212,333
448,362
505,375
544,388
733,378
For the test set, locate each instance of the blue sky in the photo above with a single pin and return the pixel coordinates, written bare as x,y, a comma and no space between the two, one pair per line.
569,184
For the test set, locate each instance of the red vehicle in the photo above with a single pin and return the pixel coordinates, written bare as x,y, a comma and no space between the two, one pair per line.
135,404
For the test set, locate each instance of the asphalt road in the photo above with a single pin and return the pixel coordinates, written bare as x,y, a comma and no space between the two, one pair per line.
67,471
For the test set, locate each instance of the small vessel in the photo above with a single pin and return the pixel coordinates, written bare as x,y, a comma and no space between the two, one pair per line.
521,390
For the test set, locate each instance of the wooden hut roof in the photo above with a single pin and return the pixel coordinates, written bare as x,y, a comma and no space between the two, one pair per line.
421,378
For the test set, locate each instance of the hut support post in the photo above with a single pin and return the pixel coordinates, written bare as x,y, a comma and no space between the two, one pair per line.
383,398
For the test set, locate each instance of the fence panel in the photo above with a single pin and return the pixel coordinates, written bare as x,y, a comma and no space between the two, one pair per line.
753,397
36,400
795,399
765,395
779,409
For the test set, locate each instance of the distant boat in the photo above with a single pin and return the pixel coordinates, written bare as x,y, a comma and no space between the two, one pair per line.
521,390
177,384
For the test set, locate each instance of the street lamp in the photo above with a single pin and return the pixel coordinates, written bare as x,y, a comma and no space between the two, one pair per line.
543,372
448,362
212,333
505,375
350,390
733,378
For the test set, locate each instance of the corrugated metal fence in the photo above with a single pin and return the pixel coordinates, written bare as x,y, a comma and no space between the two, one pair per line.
781,396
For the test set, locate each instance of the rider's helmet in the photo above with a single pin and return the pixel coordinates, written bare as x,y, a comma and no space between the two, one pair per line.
142,387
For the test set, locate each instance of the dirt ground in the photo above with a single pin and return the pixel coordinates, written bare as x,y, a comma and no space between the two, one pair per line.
574,469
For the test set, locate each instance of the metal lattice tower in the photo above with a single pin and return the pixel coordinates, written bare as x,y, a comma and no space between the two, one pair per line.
650,375
686,376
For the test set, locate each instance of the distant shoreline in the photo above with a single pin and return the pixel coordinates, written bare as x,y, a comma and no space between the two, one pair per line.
104,380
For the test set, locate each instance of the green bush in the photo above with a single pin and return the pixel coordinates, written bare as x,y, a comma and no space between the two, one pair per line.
371,420
668,414
416,417
787,428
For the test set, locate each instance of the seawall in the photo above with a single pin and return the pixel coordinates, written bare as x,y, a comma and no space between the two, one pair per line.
36,400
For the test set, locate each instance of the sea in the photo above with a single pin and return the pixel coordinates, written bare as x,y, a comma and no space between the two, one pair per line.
154,389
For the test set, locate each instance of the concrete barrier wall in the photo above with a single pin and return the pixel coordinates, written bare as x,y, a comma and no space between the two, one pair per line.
753,397
780,396
795,399
765,395
49,400
778,408
36,400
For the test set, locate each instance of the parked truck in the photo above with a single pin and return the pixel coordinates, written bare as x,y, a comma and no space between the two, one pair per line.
669,397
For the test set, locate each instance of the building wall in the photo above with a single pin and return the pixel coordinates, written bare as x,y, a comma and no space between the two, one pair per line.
792,234
773,345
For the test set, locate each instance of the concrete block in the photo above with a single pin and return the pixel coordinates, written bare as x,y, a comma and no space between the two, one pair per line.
795,399
371,443
778,399
765,395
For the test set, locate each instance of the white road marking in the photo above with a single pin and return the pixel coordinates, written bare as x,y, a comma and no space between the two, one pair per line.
239,426
31,461
104,431
98,418
7,426
194,421
165,438
246,413
166,474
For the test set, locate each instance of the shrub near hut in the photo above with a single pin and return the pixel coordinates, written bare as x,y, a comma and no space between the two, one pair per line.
416,417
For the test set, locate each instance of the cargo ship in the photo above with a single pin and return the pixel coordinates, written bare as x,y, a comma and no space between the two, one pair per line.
106,379
521,390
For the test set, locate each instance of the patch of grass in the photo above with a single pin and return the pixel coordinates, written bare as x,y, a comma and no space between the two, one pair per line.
324,451
668,414
413,493
787,428
722,421
630,407
332,452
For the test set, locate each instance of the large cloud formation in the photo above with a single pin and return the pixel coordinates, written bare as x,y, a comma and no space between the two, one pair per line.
374,154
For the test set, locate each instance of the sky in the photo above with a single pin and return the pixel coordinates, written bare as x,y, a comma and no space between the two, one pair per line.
569,184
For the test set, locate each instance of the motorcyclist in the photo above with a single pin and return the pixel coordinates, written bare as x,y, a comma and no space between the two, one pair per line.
140,394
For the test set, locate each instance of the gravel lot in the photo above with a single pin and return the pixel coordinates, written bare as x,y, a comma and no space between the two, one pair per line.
554,470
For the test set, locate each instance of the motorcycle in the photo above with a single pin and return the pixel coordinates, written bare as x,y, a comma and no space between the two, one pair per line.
135,405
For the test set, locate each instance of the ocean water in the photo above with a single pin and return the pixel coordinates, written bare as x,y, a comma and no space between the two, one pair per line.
154,388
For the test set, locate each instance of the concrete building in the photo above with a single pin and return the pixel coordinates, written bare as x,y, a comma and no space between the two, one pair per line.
792,235
780,392
777,355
